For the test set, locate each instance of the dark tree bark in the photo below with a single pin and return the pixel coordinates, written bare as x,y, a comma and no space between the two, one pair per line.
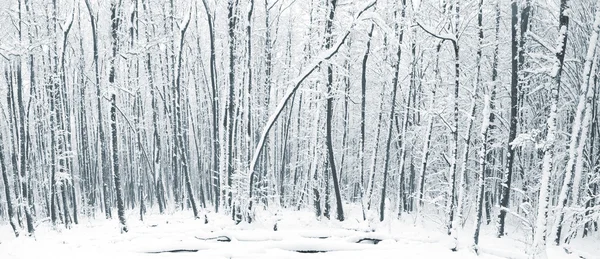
7,192
181,149
216,176
517,57
156,171
115,157
329,115
113,115
395,79
540,230
232,21
363,102
104,167
484,135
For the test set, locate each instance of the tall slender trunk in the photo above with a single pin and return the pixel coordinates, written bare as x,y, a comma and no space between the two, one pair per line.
401,196
113,115
249,99
539,238
23,133
215,109
429,129
156,167
371,180
363,104
482,164
329,113
463,177
492,127
116,172
182,150
516,61
232,20
101,138
395,83
484,136
451,199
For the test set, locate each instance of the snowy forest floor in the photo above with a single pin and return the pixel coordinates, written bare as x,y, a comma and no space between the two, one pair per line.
298,235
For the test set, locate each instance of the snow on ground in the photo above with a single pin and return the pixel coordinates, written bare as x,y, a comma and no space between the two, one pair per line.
298,235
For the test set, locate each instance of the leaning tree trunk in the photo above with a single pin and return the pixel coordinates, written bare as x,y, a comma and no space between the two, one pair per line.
578,135
539,238
326,55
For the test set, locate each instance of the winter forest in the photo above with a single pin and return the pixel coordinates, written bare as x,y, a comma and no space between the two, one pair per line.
299,128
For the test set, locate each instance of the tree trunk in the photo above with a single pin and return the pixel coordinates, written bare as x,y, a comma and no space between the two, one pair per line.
113,116
578,134
539,239
482,164
363,105
182,150
516,61
9,200
395,79
101,138
429,129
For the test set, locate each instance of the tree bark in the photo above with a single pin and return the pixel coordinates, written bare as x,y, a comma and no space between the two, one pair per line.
329,115
101,138
395,83
539,238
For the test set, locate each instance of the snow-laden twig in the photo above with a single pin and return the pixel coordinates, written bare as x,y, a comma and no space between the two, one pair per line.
446,36
540,41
